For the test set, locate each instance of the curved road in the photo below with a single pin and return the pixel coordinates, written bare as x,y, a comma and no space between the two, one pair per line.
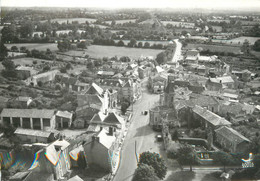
139,132
177,54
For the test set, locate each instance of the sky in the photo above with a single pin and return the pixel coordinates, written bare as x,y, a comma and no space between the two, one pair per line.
209,4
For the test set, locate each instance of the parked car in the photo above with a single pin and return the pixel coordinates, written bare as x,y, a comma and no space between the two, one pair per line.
159,137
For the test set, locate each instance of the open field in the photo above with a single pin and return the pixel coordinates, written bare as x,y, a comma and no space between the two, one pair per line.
64,20
215,48
28,61
238,41
122,21
98,51
179,24
38,46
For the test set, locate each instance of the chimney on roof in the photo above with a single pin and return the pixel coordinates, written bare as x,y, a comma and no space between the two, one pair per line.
111,131
95,138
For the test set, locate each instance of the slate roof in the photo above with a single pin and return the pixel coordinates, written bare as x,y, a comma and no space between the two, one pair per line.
229,95
46,74
28,113
51,154
23,99
192,53
88,99
223,80
108,73
98,118
105,139
231,135
32,132
20,176
94,88
64,114
114,118
127,84
69,80
75,178
191,58
111,82
202,100
211,117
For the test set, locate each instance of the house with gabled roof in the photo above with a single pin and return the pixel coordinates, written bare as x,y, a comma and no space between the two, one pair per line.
208,119
109,120
219,83
158,82
101,150
45,77
63,119
192,56
53,159
95,89
34,136
73,84
25,72
23,101
208,102
231,140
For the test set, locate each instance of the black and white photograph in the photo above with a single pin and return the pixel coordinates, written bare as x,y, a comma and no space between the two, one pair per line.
129,90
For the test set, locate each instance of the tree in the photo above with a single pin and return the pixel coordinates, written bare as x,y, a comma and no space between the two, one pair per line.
69,66
8,64
46,68
40,83
125,59
90,65
113,23
64,45
26,29
132,43
223,158
245,47
186,155
154,160
58,86
146,45
175,135
120,43
3,51
140,44
145,172
254,146
161,58
256,46
14,49
124,106
9,34
98,62
23,49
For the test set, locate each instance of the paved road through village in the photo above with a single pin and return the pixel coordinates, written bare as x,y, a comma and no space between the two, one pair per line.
139,132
